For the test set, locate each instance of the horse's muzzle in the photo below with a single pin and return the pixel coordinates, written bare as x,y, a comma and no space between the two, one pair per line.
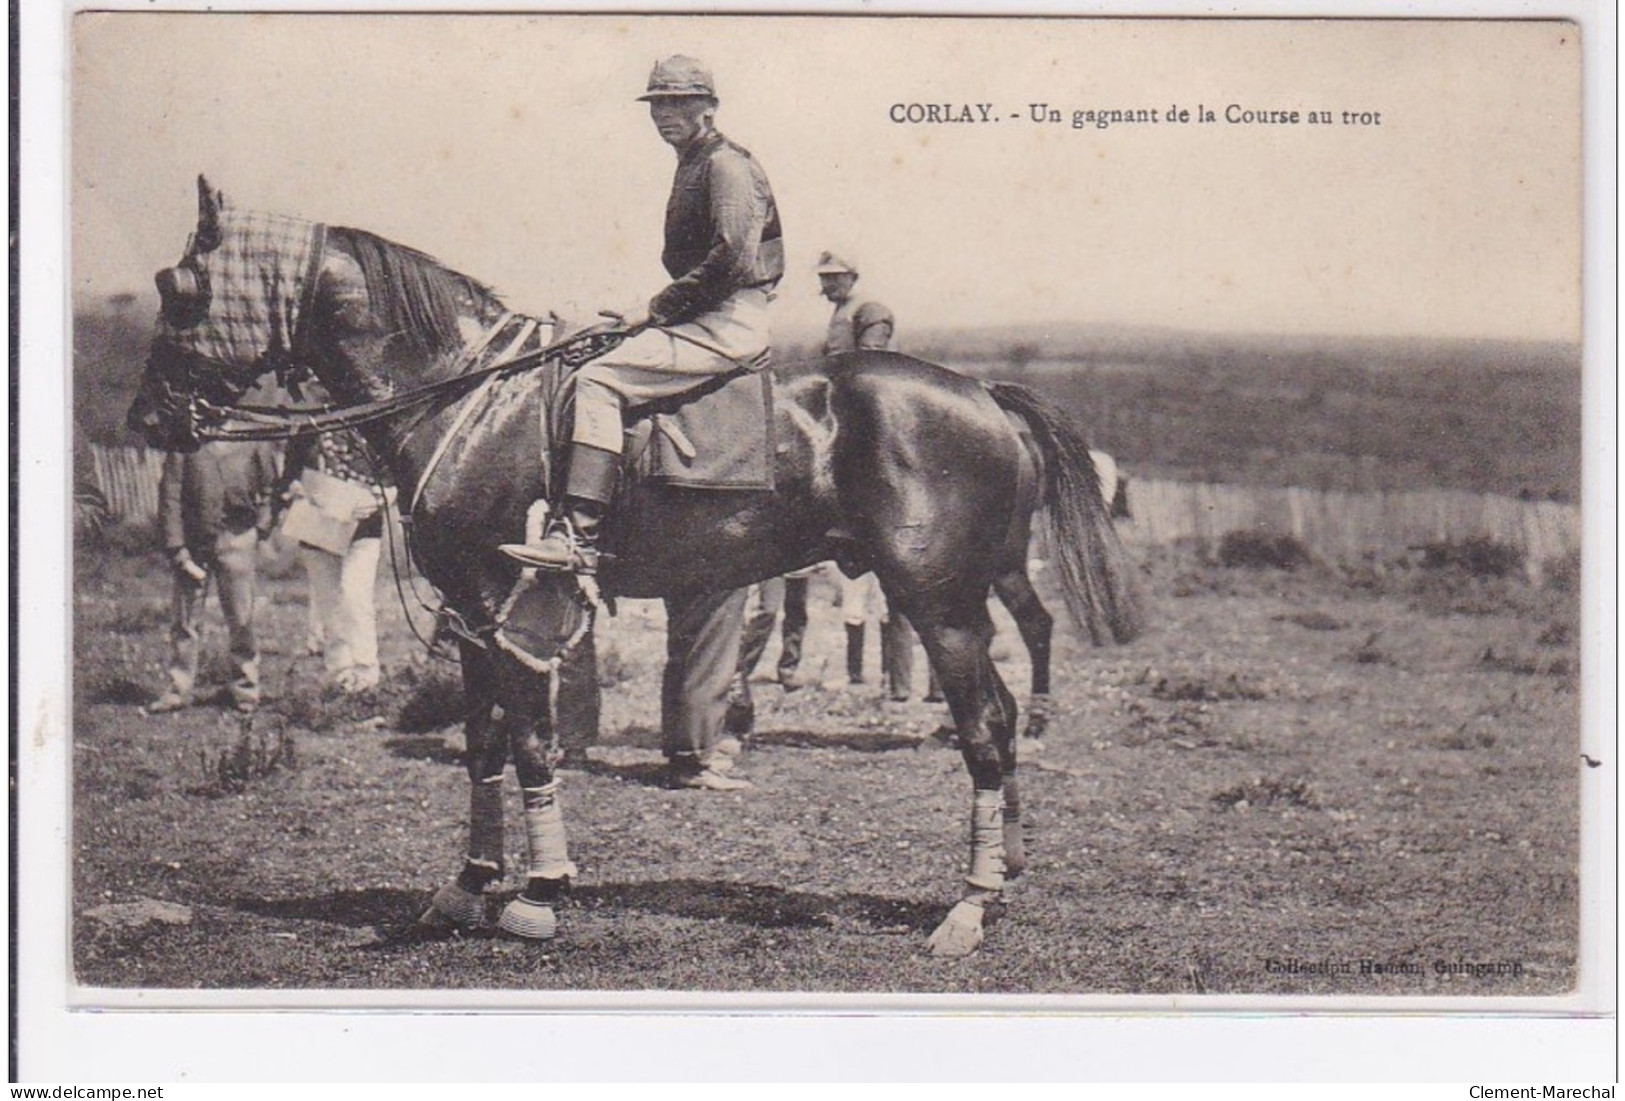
161,421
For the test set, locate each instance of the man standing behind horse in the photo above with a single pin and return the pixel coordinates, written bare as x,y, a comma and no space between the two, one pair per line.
214,507
863,325
724,251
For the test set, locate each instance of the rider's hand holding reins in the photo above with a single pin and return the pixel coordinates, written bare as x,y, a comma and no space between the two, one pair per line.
633,319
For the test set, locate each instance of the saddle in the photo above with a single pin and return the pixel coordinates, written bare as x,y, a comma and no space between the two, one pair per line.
715,436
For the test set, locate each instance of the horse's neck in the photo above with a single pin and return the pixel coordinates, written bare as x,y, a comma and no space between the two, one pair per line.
410,442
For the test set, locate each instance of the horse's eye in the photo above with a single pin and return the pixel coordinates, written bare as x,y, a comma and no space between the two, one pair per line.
184,293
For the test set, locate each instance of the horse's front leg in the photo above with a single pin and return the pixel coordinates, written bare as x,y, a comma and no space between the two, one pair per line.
985,716
549,868
461,901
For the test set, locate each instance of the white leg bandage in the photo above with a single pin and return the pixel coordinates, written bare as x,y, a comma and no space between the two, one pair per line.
544,829
987,841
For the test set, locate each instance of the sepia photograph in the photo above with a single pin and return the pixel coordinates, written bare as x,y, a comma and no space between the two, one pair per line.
912,511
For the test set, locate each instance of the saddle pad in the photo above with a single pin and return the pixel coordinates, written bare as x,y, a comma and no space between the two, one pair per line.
722,439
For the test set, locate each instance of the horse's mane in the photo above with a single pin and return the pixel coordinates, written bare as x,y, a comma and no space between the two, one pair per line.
417,296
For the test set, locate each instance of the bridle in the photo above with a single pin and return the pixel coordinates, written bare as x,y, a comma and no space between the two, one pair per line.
209,419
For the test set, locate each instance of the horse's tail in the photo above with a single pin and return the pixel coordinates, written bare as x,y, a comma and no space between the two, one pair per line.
1097,578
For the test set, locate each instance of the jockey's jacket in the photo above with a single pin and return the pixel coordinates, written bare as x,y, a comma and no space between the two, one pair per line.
722,231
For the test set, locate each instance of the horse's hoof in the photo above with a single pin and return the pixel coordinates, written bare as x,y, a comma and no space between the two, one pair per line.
453,906
531,920
960,933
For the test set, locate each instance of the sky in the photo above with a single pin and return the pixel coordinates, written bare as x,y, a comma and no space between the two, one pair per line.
512,148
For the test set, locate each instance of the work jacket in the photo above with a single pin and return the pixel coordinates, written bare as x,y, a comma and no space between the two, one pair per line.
224,487
856,325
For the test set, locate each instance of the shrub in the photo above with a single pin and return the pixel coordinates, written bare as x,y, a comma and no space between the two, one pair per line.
1477,555
252,757
1557,633
1262,550
1369,653
436,702
103,686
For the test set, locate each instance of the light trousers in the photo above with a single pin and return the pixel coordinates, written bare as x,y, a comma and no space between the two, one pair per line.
344,615
656,364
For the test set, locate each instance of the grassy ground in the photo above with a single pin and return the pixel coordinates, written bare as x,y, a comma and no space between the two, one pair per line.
1303,769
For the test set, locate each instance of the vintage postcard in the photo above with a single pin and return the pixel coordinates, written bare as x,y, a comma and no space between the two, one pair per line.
880,512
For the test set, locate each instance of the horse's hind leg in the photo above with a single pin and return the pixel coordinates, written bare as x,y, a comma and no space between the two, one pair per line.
529,717
460,902
984,713
1003,727
1036,625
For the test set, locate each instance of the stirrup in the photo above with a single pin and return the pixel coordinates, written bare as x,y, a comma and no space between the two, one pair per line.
561,549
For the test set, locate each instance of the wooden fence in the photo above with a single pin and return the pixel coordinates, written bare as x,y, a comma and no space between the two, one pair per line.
1346,527
129,480
1337,527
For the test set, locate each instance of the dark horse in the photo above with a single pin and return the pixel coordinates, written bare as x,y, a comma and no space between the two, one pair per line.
883,462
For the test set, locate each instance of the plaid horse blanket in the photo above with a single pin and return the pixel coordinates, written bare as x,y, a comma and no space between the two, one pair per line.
259,277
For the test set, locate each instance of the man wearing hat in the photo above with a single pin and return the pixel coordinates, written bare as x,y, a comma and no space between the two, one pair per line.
855,324
858,325
724,251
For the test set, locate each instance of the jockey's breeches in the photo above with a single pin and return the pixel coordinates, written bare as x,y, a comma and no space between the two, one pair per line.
660,363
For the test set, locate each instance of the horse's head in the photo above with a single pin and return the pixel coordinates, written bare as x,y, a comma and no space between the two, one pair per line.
227,316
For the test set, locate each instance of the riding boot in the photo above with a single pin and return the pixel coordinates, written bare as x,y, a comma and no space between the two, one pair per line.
854,653
571,542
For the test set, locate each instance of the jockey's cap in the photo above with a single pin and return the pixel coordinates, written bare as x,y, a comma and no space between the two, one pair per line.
679,75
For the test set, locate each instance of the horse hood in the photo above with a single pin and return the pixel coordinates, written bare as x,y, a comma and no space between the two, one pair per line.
258,276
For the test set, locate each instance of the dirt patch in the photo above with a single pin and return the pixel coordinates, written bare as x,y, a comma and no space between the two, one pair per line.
1236,790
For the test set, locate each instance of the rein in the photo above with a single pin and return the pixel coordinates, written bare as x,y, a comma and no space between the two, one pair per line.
282,423
271,422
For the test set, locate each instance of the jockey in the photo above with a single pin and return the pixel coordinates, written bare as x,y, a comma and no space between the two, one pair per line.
724,251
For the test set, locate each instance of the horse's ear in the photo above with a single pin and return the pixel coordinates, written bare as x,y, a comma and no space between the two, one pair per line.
209,205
